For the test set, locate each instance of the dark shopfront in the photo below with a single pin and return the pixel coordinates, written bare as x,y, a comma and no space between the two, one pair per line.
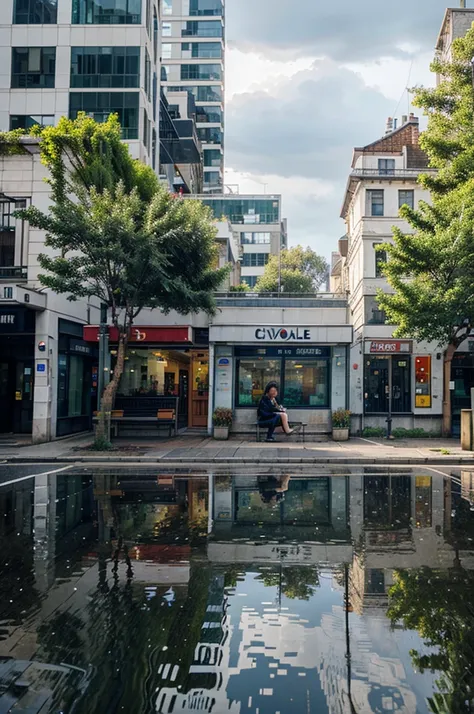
77,379
17,337
387,377
462,376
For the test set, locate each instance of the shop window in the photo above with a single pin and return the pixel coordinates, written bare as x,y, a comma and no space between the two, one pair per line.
306,383
253,375
423,382
376,385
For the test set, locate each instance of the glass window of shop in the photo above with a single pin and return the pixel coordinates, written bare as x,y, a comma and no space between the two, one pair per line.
303,379
376,384
153,372
74,383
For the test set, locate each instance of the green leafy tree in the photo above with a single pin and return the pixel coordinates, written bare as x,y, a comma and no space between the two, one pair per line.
430,271
115,234
296,582
302,271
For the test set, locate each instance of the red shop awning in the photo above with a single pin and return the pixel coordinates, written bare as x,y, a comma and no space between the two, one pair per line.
143,333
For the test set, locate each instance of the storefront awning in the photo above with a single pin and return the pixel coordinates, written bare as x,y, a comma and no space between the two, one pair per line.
144,334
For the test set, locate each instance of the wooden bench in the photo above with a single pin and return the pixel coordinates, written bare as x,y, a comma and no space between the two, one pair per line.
163,417
299,426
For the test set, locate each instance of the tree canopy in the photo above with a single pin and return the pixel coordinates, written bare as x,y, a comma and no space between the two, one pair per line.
430,267
302,271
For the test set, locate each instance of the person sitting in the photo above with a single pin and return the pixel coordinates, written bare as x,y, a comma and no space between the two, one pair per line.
270,412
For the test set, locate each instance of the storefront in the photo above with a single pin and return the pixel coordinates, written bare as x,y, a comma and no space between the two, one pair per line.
164,362
17,337
77,379
309,364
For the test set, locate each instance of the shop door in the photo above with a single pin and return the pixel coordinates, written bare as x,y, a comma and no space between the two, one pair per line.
200,389
7,393
183,402
462,374
376,385
23,404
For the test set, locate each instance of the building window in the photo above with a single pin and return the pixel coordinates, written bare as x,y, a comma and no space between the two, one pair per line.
99,105
212,157
166,50
255,260
200,94
245,211
303,382
250,280
203,28
147,75
167,7
380,260
210,136
205,7
376,384
212,178
33,67
378,317
26,121
387,167
406,198
253,376
211,115
375,203
114,67
255,238
166,29
106,12
35,12
203,50
201,71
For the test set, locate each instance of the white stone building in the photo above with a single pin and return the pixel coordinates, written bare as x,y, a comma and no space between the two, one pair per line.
59,57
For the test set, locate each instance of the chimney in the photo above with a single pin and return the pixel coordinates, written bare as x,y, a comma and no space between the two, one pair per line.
404,119
389,127
395,122
462,3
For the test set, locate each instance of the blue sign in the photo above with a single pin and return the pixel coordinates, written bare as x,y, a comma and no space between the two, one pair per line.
223,362
41,368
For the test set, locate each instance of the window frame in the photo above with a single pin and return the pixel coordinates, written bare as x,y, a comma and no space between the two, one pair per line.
83,9
386,167
46,84
371,203
401,203
33,6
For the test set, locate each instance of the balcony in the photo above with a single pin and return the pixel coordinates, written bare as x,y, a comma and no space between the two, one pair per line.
300,300
14,272
390,173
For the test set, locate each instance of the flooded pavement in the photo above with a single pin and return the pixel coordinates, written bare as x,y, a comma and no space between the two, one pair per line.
244,592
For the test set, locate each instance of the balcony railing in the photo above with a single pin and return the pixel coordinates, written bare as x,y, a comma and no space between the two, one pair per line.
252,299
13,272
390,173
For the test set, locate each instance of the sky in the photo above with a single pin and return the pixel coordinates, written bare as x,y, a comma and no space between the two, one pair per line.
307,81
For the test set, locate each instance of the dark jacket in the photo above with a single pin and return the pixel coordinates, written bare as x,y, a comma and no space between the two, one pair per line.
266,408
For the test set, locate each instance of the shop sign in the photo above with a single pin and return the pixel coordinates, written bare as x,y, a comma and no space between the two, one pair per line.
41,367
152,335
389,346
223,362
79,347
318,352
12,320
283,334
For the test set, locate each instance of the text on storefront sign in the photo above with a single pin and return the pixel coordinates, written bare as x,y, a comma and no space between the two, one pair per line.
282,333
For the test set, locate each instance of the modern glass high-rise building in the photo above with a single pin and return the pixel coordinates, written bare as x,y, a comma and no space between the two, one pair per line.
193,45
60,57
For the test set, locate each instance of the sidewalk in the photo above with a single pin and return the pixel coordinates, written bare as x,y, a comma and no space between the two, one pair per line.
193,449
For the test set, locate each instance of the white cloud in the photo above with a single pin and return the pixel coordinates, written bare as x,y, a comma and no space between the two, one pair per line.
250,72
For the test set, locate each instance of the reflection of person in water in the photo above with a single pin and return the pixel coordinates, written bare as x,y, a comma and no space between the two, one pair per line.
273,488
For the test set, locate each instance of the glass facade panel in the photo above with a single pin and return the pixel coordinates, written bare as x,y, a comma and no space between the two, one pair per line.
201,71
106,12
33,67
35,12
253,376
203,50
212,115
100,105
212,157
245,210
376,389
26,121
113,67
255,238
200,94
213,178
210,136
203,28
306,383
206,7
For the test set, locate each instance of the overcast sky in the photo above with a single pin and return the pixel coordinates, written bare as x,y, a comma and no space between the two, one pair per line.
307,81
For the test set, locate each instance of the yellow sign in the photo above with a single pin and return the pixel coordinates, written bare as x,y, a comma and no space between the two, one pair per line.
423,481
18,396
423,400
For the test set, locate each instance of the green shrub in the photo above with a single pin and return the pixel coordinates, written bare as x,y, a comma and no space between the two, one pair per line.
418,433
373,431
341,419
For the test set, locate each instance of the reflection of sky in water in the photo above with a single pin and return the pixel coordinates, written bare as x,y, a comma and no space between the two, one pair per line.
293,657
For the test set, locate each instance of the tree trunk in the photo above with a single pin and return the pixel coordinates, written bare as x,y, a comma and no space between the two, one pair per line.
448,358
108,395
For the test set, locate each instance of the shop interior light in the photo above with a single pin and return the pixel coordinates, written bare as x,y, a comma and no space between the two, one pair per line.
298,366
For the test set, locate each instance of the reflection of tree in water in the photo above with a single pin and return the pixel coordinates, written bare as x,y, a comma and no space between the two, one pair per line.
296,582
439,605
60,640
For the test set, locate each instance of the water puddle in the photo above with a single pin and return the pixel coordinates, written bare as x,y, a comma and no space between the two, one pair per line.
237,592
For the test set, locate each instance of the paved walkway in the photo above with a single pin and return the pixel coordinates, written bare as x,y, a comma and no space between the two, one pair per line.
191,449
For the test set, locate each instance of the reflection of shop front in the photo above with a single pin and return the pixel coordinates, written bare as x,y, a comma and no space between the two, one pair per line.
309,365
164,362
17,337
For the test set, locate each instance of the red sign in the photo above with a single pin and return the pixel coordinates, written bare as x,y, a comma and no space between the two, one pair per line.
141,333
390,346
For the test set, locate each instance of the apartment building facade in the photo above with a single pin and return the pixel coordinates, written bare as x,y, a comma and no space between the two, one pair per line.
193,59
60,57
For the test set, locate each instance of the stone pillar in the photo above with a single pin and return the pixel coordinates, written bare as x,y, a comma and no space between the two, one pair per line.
45,399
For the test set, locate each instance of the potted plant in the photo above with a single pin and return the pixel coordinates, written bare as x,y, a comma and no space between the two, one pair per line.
222,421
341,422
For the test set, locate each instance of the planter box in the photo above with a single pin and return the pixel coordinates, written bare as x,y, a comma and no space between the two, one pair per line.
340,434
221,433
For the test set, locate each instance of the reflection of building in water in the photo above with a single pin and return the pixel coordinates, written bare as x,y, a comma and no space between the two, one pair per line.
207,679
